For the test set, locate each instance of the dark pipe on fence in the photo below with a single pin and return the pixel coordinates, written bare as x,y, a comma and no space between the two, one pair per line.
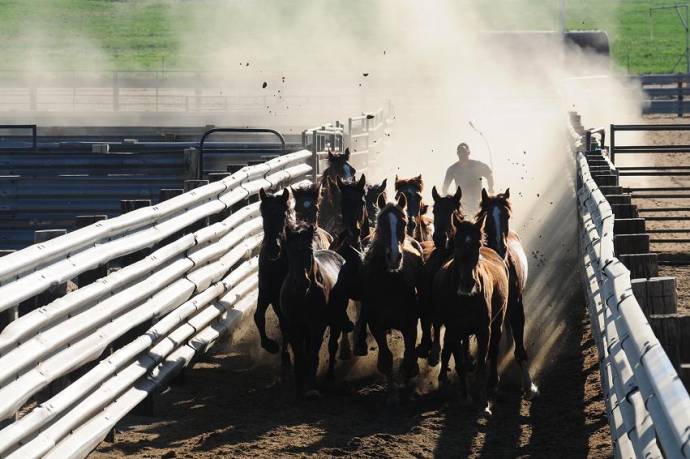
243,130
23,126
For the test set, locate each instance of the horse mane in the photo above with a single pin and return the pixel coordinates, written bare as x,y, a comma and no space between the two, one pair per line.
416,182
502,200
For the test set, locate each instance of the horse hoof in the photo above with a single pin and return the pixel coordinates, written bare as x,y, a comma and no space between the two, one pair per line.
311,395
347,326
361,349
345,353
423,350
270,346
532,392
434,358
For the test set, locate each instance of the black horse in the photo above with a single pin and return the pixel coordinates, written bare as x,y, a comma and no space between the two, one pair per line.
306,299
392,276
371,196
330,217
307,210
273,266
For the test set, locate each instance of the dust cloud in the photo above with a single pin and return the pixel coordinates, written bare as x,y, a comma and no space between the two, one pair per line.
303,63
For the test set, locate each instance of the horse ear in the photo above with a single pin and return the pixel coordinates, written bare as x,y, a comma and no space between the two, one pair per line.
507,193
434,194
458,195
402,201
330,156
262,194
485,196
396,181
381,201
362,182
286,195
346,155
312,231
383,184
317,190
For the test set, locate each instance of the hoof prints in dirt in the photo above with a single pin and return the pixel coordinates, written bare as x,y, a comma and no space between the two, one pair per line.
231,407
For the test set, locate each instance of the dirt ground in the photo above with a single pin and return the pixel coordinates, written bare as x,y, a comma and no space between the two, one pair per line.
675,250
233,405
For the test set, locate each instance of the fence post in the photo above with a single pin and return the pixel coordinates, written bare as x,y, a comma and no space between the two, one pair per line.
116,93
680,95
315,155
192,165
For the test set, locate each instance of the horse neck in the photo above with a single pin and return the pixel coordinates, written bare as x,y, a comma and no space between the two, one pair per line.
298,271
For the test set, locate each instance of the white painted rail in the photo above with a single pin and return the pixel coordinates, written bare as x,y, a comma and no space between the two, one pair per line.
647,405
96,352
195,288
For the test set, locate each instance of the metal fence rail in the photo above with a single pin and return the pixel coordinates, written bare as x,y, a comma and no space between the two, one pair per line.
648,406
94,353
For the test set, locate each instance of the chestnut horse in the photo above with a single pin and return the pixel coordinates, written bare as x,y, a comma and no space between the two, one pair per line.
306,304
419,226
495,213
392,277
273,266
471,294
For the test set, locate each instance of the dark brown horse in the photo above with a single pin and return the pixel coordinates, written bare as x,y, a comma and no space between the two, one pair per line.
305,304
471,293
273,266
445,209
495,214
419,225
392,277
371,196
307,210
339,166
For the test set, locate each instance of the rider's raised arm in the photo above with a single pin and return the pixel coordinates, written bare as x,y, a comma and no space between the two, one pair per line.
446,181
489,176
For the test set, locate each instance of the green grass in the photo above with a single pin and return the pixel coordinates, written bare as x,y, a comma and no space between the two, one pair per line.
143,34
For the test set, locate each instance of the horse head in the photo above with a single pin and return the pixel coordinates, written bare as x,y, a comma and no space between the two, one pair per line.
307,202
338,166
445,207
391,222
274,212
371,197
495,213
353,205
300,252
412,189
468,240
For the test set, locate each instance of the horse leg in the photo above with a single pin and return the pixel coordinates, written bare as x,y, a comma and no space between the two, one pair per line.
385,366
313,346
494,344
454,347
448,343
260,321
284,354
410,367
516,317
332,351
297,342
425,317
483,338
360,333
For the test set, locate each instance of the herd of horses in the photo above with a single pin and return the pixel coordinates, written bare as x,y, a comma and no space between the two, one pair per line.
340,241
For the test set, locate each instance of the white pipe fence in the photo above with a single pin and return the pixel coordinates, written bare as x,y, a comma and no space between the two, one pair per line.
197,287
87,351
647,404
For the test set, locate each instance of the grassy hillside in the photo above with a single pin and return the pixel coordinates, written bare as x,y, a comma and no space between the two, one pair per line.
142,35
